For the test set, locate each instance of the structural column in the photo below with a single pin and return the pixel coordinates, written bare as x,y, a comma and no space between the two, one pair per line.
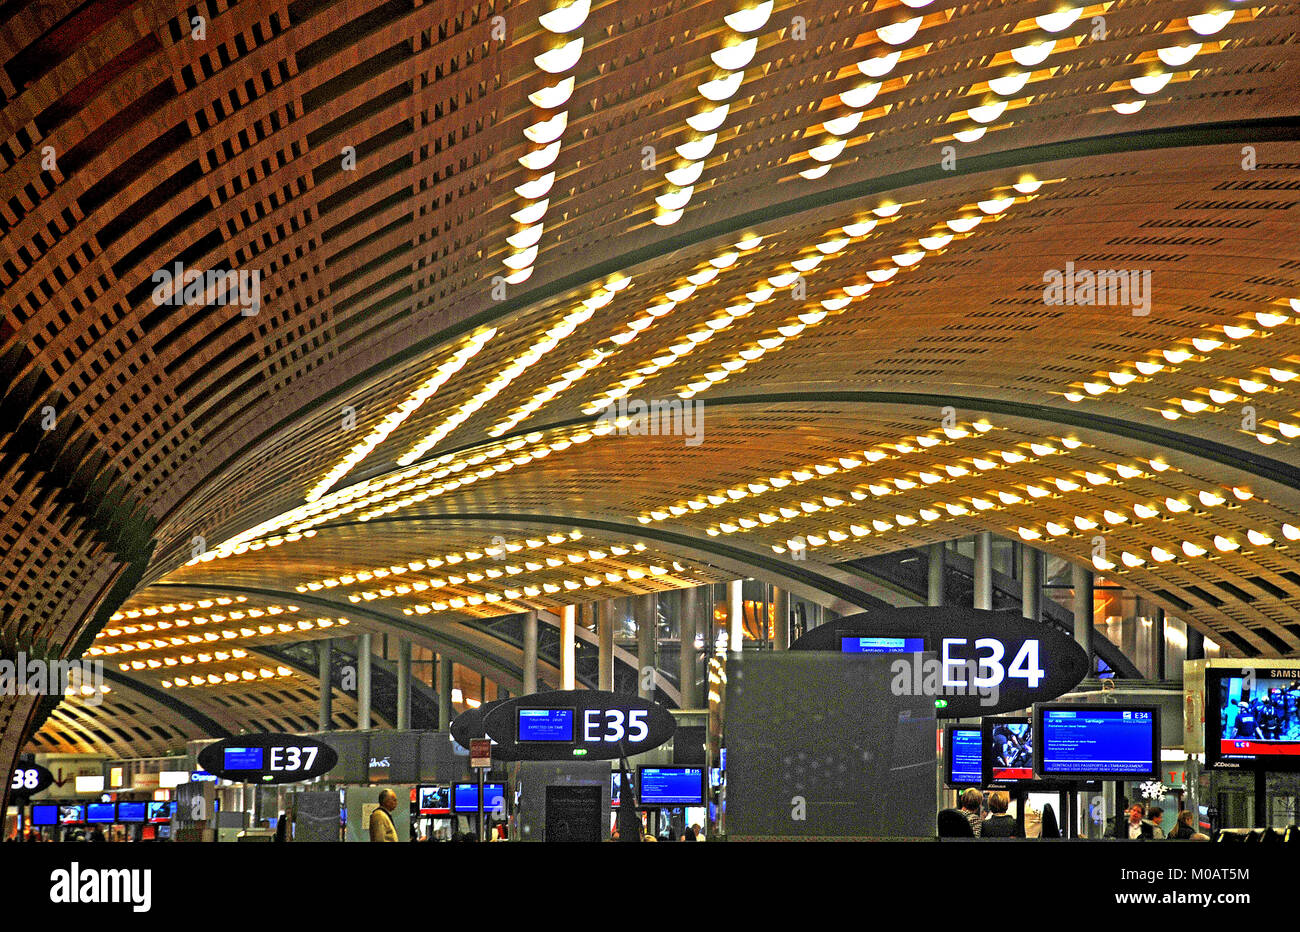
686,636
605,645
646,623
1031,583
1083,626
403,684
735,615
781,608
568,623
935,578
530,653
1195,644
984,570
1159,632
363,681
445,709
324,654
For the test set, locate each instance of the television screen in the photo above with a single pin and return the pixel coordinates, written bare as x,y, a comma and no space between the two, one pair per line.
160,812
434,800
1008,750
71,815
130,812
881,645
546,725
1084,741
45,815
616,788
1257,719
964,756
672,786
242,758
101,812
464,797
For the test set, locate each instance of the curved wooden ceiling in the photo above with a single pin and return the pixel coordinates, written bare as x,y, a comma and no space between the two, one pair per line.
769,209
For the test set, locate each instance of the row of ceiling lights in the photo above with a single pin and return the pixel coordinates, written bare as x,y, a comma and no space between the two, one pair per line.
229,634
213,679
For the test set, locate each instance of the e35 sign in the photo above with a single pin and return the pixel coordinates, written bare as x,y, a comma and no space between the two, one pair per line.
585,724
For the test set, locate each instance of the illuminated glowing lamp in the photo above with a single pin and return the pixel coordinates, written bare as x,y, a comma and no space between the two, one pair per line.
724,88
1224,544
748,20
1035,54
842,126
1192,406
1258,538
1131,560
566,18
790,330
929,514
1291,532
1060,20
996,205
1160,555
859,229
1027,185
735,57
1144,511
770,342
806,263
856,291
1114,517
903,260
1028,533
832,246
540,158
964,224
881,275
987,113
697,149
709,120
1147,367
886,210
1193,550
674,200
1207,24
671,217
521,259
935,242
831,304
1128,107
532,213
879,66
687,175
1056,529
969,135
1269,320
1206,344
560,59
812,174
827,151
1175,56
898,33
1176,356
1221,397
1102,563
1290,431
557,95
1010,84
526,237
859,97
1176,505
784,279
537,188
1236,333
1150,83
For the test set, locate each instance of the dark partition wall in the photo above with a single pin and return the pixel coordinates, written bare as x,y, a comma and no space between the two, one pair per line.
819,746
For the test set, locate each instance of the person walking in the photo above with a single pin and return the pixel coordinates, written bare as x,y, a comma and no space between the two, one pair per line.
381,820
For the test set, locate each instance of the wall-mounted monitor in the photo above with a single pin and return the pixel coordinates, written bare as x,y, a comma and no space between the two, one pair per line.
616,788
1252,718
243,758
72,815
464,797
1096,741
45,815
549,725
1008,747
101,813
130,812
671,786
963,754
160,812
858,644
433,800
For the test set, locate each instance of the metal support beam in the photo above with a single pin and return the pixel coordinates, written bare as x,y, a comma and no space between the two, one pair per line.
984,570
1031,583
363,681
605,645
735,615
686,634
324,654
446,711
781,608
1083,623
1195,643
530,653
403,684
568,620
647,620
1159,632
935,577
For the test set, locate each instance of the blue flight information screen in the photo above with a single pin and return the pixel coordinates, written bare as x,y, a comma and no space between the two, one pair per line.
1097,741
967,756
101,812
546,725
243,758
672,786
881,645
465,797
130,812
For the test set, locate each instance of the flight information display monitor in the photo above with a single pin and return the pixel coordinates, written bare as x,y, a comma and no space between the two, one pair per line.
1252,718
550,725
101,812
72,815
1008,747
881,645
963,755
671,786
130,812
1078,741
464,797
160,812
45,815
243,758
433,800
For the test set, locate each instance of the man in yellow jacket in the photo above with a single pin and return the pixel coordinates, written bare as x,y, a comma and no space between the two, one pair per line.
381,822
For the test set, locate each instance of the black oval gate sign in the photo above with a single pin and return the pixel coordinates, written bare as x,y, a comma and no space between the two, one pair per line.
985,662
468,725
268,758
29,779
579,724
